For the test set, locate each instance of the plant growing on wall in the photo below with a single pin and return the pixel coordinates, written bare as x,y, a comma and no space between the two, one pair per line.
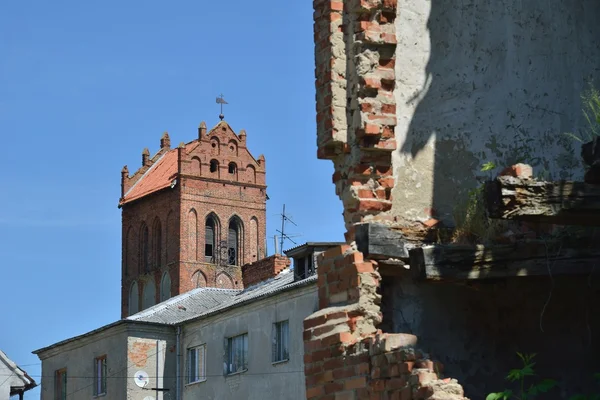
519,376
590,104
472,222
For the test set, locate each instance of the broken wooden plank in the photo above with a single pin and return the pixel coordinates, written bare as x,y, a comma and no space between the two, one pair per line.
378,241
561,202
456,262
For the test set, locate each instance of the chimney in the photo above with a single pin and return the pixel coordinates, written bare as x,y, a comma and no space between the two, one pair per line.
145,157
124,178
165,141
264,269
202,130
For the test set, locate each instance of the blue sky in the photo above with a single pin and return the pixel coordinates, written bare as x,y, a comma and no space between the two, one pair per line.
84,87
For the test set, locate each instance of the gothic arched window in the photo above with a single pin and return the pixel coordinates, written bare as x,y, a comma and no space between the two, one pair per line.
210,237
233,242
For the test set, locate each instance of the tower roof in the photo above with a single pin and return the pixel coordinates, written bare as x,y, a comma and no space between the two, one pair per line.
159,176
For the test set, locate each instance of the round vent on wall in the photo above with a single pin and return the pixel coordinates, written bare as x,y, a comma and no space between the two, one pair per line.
141,379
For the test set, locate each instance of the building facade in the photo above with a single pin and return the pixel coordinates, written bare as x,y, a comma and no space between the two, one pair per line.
191,217
207,343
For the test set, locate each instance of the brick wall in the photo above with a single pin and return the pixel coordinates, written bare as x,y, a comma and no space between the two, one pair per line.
356,110
264,269
347,357
236,190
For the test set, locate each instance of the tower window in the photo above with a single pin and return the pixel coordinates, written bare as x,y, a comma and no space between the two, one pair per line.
233,241
214,165
232,168
209,240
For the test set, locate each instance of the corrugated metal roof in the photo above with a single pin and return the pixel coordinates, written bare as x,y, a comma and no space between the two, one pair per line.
202,302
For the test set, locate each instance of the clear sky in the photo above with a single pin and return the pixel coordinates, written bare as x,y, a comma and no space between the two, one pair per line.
84,87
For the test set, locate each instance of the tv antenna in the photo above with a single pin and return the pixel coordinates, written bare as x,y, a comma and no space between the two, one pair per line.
221,101
283,237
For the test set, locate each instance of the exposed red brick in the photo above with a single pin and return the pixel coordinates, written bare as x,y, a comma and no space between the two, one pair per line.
164,192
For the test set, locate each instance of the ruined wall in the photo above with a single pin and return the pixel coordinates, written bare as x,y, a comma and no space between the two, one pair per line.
475,330
477,82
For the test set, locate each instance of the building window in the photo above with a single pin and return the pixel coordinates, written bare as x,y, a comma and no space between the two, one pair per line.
281,341
144,249
100,376
60,384
196,364
209,240
233,241
232,168
214,165
236,354
303,267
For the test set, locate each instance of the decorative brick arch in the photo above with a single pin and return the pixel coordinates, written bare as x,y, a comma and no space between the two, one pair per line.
198,279
157,243
196,166
250,174
134,298
224,281
192,234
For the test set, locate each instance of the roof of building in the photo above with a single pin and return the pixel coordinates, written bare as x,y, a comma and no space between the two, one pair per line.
27,381
203,302
200,303
297,249
159,176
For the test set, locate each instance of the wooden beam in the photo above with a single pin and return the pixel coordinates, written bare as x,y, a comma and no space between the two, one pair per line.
562,202
457,262
378,241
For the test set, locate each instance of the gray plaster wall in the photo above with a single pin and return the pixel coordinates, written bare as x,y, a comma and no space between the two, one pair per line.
8,379
123,360
480,81
476,329
263,380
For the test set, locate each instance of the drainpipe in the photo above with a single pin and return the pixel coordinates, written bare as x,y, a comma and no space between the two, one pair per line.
177,364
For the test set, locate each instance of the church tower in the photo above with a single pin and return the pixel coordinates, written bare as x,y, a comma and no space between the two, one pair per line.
191,216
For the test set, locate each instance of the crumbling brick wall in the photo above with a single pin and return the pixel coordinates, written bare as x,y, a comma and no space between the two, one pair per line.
347,357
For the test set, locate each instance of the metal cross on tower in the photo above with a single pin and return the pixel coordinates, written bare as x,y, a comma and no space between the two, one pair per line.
221,101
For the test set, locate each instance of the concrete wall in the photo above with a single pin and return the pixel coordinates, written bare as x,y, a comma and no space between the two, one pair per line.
128,348
475,330
263,379
494,81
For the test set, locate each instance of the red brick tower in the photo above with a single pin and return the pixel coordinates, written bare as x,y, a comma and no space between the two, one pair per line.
192,216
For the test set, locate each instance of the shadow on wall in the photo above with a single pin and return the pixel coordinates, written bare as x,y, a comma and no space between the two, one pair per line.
495,81
492,81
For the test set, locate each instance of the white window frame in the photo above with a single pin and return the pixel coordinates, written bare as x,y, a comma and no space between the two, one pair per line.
100,369
196,364
237,354
281,341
